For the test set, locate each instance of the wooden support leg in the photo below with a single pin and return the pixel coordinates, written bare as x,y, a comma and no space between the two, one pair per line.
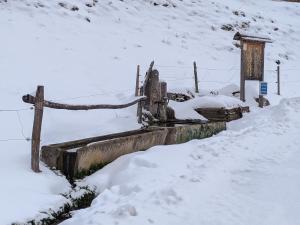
163,102
36,130
261,101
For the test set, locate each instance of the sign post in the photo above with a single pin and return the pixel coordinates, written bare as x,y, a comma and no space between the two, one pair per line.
252,58
263,90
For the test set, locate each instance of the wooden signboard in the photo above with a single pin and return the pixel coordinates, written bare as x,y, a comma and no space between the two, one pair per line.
252,58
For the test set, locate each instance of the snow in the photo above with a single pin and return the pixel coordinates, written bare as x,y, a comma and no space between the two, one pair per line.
248,174
23,193
185,110
217,101
95,62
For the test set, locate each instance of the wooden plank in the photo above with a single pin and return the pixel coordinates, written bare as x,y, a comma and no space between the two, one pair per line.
31,100
36,130
83,142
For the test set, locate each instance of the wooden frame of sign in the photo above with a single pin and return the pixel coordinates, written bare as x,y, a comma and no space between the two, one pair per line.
252,58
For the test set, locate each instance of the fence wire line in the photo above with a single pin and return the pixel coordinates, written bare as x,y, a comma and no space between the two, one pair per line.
21,126
14,139
93,95
173,78
178,78
31,108
204,68
16,110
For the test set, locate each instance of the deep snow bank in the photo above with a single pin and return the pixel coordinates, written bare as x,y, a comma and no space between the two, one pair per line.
248,174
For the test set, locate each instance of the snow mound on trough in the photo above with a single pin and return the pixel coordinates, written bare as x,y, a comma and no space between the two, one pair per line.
186,110
216,101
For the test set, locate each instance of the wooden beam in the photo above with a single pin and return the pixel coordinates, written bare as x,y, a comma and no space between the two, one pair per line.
36,130
31,100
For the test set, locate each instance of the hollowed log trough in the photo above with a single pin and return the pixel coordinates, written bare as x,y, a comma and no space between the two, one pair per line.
223,114
77,159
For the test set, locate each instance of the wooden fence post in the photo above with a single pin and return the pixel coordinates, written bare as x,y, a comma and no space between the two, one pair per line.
137,81
163,102
152,91
278,77
36,130
140,112
260,101
196,78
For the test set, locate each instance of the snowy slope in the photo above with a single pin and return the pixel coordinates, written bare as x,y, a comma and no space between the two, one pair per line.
81,61
241,176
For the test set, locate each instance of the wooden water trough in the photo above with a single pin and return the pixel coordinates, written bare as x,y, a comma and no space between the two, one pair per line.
80,158
223,114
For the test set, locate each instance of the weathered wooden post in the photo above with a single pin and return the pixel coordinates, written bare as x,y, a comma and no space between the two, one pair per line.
196,78
137,81
152,90
163,102
252,58
278,76
36,130
140,107
140,112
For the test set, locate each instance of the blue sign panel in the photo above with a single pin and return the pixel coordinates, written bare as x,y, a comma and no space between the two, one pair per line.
263,88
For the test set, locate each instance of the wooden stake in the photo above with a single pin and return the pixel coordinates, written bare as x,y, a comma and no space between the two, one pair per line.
140,107
278,80
36,130
163,102
140,112
242,75
261,101
196,78
137,81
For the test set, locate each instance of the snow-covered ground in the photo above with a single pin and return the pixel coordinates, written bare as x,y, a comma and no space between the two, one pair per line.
246,175
90,55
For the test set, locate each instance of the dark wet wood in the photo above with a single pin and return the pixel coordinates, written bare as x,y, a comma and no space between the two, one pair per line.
54,105
196,78
36,130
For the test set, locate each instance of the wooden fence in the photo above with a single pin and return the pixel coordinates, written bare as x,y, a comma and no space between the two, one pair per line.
39,103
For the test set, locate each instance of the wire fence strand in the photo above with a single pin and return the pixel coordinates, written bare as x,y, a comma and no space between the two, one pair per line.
14,139
171,73
16,110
